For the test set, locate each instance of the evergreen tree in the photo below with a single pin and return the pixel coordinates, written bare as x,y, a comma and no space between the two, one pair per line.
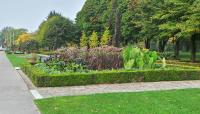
84,40
93,41
106,38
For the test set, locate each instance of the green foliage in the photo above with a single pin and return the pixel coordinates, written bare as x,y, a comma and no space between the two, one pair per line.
138,58
89,19
30,46
84,40
57,67
9,35
42,79
53,14
96,15
74,67
106,38
56,31
93,41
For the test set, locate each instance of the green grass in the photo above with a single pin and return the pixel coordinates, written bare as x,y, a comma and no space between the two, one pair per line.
185,56
17,60
161,102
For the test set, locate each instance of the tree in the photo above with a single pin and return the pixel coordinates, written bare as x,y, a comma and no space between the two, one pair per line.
170,15
89,19
9,35
191,26
53,14
106,38
56,31
30,46
84,40
96,15
143,22
22,39
93,41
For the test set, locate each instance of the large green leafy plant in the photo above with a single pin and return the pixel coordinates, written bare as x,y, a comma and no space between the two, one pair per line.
136,58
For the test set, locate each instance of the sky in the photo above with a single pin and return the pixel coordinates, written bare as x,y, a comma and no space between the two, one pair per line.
30,13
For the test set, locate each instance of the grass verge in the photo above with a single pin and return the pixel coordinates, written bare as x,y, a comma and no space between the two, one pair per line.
17,60
161,102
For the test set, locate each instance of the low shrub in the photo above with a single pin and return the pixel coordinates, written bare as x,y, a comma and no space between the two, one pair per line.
136,58
68,54
106,57
99,58
57,67
42,79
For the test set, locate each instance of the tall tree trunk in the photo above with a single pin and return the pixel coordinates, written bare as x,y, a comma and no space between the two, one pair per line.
112,14
193,48
116,38
176,50
147,43
162,44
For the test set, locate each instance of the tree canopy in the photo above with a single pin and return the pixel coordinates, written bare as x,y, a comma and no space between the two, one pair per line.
56,31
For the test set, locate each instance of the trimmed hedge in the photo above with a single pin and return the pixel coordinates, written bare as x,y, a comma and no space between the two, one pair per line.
42,79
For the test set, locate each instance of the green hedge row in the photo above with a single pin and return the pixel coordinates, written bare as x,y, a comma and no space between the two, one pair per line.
42,79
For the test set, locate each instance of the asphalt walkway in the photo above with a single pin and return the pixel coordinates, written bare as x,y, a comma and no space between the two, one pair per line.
15,98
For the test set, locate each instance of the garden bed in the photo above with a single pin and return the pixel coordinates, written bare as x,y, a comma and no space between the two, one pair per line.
42,79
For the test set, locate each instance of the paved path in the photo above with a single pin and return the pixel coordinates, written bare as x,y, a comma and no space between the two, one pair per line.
15,97
110,88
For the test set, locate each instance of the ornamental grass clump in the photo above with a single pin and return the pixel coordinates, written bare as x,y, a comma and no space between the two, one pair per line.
68,54
106,57
99,58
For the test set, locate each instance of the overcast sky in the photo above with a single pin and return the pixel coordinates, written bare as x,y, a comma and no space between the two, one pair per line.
30,13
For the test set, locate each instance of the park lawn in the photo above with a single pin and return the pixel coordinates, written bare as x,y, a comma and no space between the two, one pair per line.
160,102
185,56
17,60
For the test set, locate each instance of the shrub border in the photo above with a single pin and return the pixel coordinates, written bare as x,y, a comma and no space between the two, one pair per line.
41,79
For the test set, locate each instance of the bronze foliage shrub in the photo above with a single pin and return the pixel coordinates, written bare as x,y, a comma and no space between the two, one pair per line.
100,58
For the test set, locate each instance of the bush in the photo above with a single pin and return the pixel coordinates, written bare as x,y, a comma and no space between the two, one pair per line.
68,54
100,58
136,58
106,57
42,79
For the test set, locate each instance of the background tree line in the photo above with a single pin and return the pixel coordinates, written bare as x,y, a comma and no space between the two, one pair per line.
133,21
151,23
